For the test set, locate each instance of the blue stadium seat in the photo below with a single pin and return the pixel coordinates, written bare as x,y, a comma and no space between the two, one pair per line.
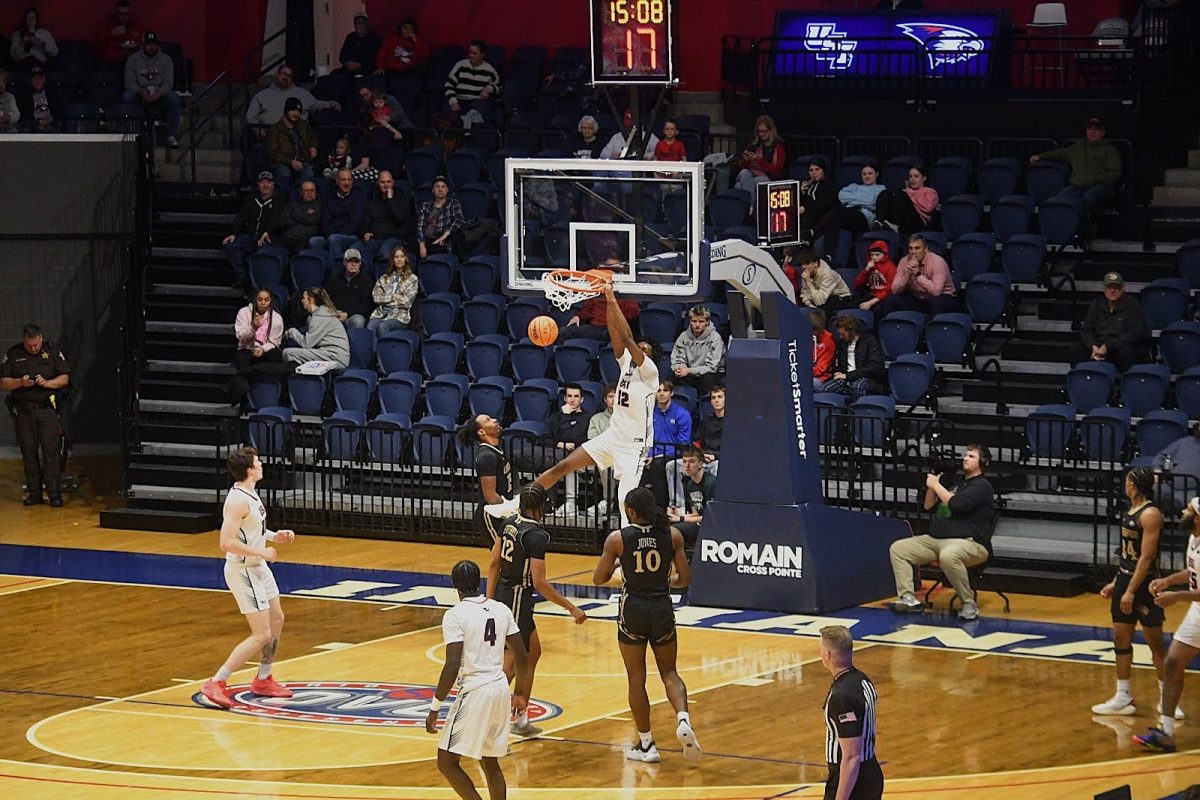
1046,179
352,390
1144,388
1059,218
973,254
436,275
951,175
441,352
865,317
439,311
307,393
396,350
911,376
267,265
987,296
520,313
894,174
688,398
863,243
675,208
525,431
432,440
533,401
385,437
268,431
659,324
343,434
1048,430
872,419
1187,259
483,314
828,406
478,276
947,336
1164,301
1103,434
593,396
1179,346
610,370
279,294
1158,429
1023,257
444,397
728,209
490,396
1012,215
937,242
362,348
464,166
529,360
961,214
309,268
1090,384
398,393
900,332
998,177
485,355
1187,392
475,201
265,392
574,360
422,165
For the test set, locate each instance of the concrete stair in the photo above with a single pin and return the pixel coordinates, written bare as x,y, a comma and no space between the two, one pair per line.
1181,185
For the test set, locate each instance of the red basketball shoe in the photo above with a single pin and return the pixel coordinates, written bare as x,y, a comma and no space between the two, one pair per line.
217,694
267,687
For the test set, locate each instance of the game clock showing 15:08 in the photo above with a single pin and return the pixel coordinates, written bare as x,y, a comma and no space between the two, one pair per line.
633,41
778,212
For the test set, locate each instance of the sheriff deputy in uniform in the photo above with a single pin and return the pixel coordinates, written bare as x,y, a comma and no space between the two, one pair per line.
35,372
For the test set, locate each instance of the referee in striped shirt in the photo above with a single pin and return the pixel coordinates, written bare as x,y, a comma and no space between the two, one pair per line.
854,774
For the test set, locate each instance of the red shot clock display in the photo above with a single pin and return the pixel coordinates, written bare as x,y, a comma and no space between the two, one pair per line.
633,41
778,212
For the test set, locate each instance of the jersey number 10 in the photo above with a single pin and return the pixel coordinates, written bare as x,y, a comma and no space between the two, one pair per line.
646,560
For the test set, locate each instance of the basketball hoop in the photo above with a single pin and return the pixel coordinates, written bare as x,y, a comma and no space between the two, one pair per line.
566,287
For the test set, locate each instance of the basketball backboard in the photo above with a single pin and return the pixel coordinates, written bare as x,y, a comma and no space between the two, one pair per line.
638,219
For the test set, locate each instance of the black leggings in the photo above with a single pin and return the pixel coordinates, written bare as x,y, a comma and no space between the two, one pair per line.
897,207
842,217
247,366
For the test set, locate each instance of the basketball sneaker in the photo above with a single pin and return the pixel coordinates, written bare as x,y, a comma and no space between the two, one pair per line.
528,730
1178,711
687,737
267,687
648,755
907,604
505,509
1119,705
217,694
1155,739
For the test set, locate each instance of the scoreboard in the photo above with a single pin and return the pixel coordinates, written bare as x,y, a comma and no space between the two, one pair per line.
778,212
634,42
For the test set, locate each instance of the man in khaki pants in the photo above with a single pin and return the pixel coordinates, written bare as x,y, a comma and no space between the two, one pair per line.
962,524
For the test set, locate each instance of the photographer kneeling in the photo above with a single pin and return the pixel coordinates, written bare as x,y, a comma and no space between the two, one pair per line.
957,536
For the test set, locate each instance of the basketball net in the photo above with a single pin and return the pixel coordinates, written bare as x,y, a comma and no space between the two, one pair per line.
566,287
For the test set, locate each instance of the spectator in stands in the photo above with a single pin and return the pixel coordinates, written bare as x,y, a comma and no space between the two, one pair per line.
1181,458
1115,328
567,426
670,148
119,38
388,219
360,49
856,212
707,441
819,196
858,366
438,220
824,349
958,535
403,52
697,353
342,212
764,160
376,116
1095,165
260,217
350,291
42,112
588,322
672,432
907,210
291,147
616,143
586,144
303,219
150,78
597,425
325,339
687,508
340,158
32,45
269,105
394,294
873,284
922,283
259,331
816,284
473,86
10,114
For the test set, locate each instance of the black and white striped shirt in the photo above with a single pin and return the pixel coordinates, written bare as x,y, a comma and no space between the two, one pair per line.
466,82
849,713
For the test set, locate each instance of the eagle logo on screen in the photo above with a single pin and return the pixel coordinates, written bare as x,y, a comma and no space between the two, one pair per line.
944,44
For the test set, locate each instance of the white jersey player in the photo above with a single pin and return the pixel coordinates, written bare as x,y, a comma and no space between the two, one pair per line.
475,632
1185,645
247,545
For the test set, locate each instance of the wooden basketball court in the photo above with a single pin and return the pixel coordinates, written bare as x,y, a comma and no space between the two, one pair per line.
97,688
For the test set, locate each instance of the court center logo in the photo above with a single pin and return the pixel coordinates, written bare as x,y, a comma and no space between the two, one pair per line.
386,705
944,44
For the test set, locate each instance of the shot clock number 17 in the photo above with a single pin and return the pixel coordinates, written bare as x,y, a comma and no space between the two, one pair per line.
633,41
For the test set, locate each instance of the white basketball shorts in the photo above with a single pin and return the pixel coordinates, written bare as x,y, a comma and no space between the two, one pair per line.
253,587
477,723
1189,629
626,457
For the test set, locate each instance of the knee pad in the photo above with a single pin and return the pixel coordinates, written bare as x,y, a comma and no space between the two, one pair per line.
1123,651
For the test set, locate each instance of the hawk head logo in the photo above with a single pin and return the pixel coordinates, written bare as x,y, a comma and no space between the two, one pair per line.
944,44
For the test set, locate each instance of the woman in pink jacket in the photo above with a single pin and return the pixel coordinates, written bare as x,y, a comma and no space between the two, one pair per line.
259,332
907,210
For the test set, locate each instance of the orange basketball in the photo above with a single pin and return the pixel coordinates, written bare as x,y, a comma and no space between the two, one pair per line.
543,330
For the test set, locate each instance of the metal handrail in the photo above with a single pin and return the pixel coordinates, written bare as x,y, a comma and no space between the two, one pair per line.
248,70
226,105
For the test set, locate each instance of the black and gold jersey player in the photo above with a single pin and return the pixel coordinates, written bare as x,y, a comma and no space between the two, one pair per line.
35,373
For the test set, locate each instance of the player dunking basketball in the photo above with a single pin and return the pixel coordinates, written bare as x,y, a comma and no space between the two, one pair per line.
647,549
244,538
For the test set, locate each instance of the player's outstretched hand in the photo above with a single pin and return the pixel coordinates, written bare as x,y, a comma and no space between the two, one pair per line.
578,615
269,553
431,721
286,535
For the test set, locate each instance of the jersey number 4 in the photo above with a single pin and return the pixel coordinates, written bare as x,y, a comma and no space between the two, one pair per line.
646,560
489,631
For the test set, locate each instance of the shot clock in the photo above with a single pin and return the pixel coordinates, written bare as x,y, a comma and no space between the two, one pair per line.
633,41
778,212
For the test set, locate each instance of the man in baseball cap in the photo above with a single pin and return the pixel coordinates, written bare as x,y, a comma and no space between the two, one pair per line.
1115,328
360,48
1096,166
150,78
351,291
